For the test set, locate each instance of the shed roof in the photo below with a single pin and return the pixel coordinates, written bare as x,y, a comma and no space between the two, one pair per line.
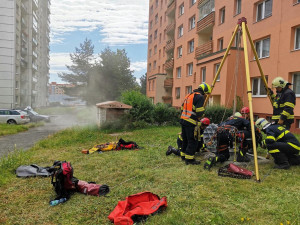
113,105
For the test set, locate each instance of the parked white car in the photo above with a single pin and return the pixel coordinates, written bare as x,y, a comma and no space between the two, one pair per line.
11,116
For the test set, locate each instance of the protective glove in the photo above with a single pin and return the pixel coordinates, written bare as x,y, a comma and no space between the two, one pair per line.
271,92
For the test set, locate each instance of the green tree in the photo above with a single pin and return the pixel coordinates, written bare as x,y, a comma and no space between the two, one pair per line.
143,80
82,62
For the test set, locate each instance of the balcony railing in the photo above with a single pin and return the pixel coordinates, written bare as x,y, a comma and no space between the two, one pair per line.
34,54
204,49
168,83
170,28
34,66
207,21
34,41
36,4
170,45
169,65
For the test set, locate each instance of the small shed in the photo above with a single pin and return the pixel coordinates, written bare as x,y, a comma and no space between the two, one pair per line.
110,110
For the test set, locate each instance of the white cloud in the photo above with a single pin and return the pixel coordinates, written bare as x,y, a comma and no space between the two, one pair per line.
138,66
119,21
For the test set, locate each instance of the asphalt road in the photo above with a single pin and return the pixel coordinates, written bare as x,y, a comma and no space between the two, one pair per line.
26,140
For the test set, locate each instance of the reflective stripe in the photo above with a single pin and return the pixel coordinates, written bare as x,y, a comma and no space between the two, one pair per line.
274,151
180,137
270,137
291,117
200,109
186,111
182,154
285,113
289,104
275,104
277,117
294,146
189,156
281,105
191,121
281,135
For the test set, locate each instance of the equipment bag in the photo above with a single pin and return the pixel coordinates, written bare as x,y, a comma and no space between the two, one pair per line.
91,188
33,171
136,208
126,145
235,171
62,179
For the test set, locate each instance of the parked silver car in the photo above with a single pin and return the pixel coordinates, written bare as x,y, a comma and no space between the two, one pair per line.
12,116
34,116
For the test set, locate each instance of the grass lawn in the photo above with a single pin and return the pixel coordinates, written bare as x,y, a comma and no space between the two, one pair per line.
195,196
6,129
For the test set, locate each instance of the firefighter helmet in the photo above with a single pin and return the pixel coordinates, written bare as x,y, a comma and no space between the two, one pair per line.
205,121
237,114
205,87
261,123
279,82
245,110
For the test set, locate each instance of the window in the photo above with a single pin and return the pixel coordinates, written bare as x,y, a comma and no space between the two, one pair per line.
222,15
264,10
150,38
181,9
177,92
151,24
220,44
164,50
178,72
149,66
154,64
191,46
216,70
188,90
160,21
156,18
190,69
160,38
180,31
297,38
296,83
165,34
238,6
192,22
156,3
151,9
155,34
159,54
192,2
206,8
155,49
263,48
258,88
150,53
179,51
203,74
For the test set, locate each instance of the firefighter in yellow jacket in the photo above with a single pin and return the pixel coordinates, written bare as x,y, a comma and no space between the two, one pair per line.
191,112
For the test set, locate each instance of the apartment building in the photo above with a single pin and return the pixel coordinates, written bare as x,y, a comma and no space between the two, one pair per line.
188,39
24,53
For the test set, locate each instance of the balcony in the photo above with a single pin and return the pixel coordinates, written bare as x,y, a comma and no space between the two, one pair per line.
23,51
168,83
34,54
34,28
206,22
34,66
170,45
204,49
23,8
169,65
35,3
34,41
171,8
167,99
170,28
34,79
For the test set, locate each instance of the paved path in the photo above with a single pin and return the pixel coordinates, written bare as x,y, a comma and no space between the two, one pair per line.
26,140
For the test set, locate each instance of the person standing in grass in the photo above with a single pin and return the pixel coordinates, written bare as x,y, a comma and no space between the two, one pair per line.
191,112
281,144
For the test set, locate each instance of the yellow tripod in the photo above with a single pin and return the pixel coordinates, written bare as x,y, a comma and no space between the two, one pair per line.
242,23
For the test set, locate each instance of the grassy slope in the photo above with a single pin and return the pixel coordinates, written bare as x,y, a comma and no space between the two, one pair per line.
6,129
195,196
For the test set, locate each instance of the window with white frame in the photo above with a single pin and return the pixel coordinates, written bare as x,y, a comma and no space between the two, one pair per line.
179,51
191,45
194,1
181,9
177,92
258,88
297,38
238,6
263,10
192,22
222,15
203,74
206,8
220,44
263,48
216,70
188,90
190,69
296,83
178,70
180,30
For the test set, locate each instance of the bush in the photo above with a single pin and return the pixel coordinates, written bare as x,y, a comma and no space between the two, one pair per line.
217,113
164,114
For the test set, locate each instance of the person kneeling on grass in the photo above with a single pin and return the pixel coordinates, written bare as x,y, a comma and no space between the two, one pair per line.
204,122
281,144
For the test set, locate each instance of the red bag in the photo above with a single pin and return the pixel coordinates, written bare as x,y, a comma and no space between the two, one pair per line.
238,170
141,204
90,188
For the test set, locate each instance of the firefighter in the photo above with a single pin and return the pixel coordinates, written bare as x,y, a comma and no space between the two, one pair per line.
203,124
245,112
283,103
191,112
281,144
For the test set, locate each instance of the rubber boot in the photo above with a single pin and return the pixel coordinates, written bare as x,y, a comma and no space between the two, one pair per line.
210,162
281,161
294,160
242,156
172,150
192,162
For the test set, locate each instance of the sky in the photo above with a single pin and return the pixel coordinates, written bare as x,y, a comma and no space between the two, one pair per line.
117,24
